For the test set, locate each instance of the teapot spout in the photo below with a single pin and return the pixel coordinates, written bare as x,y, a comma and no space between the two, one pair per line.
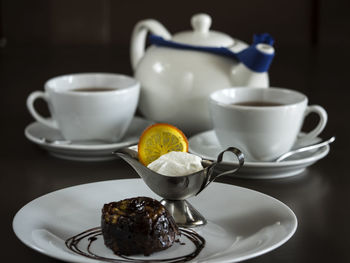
254,63
241,75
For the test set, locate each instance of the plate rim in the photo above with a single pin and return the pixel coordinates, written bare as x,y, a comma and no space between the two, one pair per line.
75,258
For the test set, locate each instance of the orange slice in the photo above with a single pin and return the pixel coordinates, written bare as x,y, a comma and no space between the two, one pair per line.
159,139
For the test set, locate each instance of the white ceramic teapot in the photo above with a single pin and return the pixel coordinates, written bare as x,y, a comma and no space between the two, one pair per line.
177,73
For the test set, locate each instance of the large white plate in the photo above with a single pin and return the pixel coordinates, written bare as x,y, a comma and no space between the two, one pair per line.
207,146
83,150
242,223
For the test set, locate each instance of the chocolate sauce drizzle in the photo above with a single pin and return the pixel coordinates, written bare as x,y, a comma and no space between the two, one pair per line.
93,234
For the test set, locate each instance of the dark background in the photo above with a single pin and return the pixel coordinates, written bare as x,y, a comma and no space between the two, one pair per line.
42,39
109,22
63,36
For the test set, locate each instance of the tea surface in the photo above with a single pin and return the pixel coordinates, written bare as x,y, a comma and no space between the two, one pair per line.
258,103
93,89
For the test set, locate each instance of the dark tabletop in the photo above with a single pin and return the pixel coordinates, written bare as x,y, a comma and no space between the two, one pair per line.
319,196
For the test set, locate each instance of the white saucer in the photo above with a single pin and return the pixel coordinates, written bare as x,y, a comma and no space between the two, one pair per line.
83,150
206,145
233,233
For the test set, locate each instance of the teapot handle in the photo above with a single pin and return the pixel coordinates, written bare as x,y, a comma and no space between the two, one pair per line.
138,38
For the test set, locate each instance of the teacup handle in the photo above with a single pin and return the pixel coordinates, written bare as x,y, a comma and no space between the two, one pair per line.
321,112
30,105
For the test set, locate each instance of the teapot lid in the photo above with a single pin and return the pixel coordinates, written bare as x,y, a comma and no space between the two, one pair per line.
201,35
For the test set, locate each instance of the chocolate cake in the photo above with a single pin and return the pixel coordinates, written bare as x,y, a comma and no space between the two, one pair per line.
139,225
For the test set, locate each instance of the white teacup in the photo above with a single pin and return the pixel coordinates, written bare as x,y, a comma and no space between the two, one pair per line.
262,123
89,106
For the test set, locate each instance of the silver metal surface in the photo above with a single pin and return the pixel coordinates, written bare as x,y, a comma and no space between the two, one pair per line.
184,213
304,149
178,188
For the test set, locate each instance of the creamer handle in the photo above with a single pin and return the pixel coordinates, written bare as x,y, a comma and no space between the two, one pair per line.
211,176
240,158
138,38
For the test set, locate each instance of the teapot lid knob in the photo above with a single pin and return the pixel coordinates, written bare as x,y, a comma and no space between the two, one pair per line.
201,35
201,23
